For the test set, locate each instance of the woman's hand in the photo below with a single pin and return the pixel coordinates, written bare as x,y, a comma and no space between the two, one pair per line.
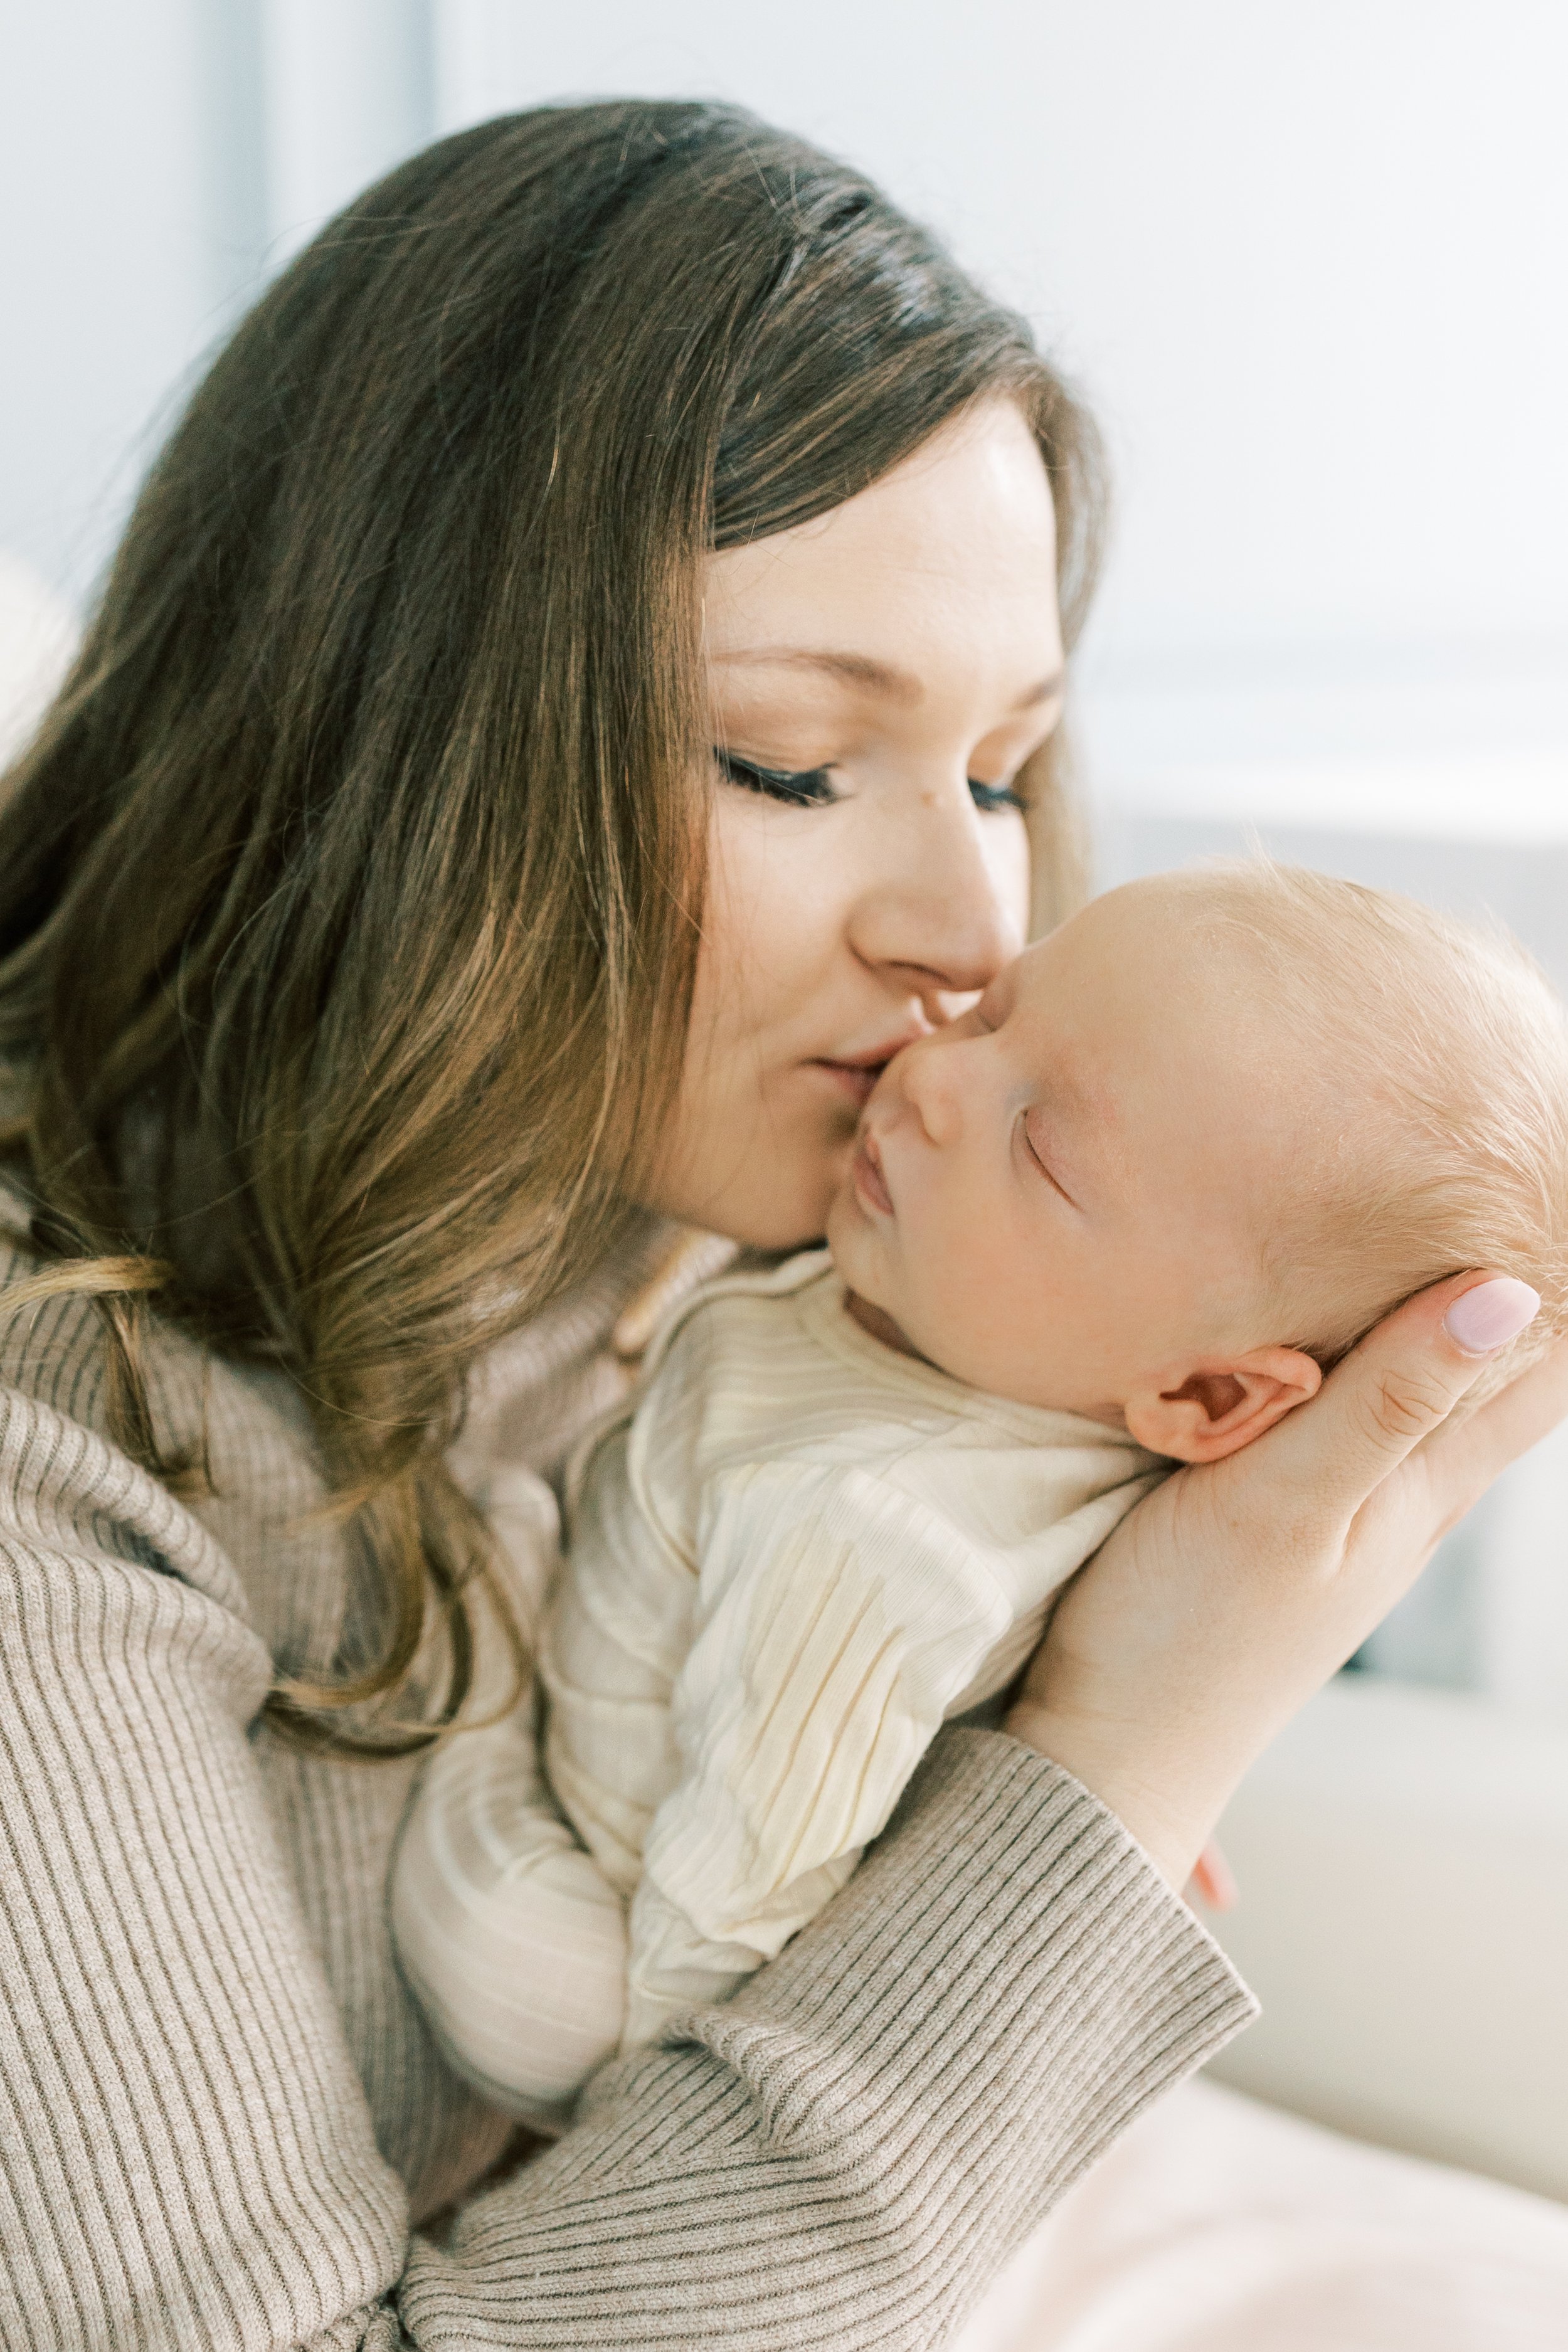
1235,1589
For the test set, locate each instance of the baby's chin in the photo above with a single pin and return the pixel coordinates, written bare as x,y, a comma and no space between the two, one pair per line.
854,1239
849,1237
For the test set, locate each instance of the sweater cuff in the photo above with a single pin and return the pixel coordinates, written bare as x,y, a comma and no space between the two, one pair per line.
1006,1980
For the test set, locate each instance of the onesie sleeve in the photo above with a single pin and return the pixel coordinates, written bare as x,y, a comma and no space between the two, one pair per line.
837,1619
507,1932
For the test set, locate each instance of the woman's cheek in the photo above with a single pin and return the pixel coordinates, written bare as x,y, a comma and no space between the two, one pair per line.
1012,871
742,930
774,938
752,1149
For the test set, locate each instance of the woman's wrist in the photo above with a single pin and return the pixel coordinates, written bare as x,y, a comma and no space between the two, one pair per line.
1172,1825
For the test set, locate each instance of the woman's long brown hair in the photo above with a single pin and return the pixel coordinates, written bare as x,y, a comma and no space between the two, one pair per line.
351,892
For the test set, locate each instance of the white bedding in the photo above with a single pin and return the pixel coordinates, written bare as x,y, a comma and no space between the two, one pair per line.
1220,2225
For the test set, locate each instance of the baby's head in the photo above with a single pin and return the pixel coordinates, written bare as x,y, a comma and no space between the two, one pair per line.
1189,1147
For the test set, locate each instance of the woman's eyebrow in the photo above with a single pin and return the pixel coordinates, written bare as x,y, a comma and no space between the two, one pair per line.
863,669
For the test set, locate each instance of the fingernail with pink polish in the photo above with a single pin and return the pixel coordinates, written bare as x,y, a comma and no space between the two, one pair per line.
1491,1314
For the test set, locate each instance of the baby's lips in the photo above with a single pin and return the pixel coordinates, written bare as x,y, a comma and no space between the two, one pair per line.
1486,1317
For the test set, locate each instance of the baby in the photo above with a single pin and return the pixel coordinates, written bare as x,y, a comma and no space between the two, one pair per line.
1123,1214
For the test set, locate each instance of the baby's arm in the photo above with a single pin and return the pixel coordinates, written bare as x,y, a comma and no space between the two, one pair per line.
509,1932
838,1620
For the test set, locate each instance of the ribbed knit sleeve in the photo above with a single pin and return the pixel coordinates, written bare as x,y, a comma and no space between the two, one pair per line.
848,2152
186,2157
842,2157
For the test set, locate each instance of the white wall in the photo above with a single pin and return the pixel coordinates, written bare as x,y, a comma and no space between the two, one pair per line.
109,273
1310,261
157,159
347,89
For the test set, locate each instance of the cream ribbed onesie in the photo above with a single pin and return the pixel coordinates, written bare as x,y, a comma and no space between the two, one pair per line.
791,1559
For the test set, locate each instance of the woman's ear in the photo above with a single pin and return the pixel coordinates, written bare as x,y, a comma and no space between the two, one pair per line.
1223,1403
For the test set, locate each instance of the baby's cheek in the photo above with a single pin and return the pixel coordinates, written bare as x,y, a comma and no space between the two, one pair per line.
985,1281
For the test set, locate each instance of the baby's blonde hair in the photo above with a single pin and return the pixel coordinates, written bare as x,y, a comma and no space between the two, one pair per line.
1442,1054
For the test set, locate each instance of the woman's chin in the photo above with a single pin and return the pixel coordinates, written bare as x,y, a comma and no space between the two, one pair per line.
799,1230
775,1200
776,1216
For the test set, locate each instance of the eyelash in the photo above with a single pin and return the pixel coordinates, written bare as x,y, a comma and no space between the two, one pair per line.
1039,1166
810,788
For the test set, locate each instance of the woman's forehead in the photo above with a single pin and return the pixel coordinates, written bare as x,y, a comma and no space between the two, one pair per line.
963,527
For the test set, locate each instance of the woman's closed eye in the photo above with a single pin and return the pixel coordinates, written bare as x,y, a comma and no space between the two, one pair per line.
801,788
987,797
812,787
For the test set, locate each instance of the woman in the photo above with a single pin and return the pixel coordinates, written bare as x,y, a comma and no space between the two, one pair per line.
394,940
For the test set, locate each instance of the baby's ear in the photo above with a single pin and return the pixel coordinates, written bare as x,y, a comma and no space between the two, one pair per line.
1215,1407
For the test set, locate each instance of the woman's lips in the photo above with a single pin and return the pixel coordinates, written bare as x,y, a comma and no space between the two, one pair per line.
870,1185
855,1075
855,1080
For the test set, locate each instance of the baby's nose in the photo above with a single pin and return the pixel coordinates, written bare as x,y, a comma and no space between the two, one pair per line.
930,1075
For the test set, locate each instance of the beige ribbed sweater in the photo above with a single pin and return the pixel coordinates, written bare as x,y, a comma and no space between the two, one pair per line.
222,2118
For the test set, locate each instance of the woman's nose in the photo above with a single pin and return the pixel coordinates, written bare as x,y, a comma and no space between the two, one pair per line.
950,905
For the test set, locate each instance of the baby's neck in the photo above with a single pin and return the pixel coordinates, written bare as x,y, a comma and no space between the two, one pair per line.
881,1326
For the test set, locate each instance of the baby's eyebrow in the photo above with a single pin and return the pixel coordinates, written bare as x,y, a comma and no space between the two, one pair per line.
1062,1087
